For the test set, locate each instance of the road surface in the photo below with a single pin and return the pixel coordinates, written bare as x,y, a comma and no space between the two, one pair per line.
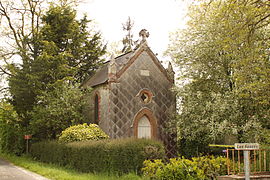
11,172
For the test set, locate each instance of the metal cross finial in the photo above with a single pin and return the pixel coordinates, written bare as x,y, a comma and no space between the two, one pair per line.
144,34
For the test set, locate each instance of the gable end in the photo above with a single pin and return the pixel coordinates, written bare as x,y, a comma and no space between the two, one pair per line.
152,56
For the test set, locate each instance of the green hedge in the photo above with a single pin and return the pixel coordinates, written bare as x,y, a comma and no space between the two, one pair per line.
197,168
109,156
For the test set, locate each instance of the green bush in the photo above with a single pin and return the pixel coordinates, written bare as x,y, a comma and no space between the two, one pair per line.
118,156
82,132
206,167
11,131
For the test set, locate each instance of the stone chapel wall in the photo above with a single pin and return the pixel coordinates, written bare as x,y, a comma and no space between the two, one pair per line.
125,102
103,92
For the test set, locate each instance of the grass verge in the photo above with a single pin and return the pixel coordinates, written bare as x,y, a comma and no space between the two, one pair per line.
55,172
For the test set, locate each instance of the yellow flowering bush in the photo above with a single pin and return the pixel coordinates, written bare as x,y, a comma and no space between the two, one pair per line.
197,168
82,132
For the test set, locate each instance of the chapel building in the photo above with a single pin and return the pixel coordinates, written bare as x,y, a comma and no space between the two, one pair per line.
132,96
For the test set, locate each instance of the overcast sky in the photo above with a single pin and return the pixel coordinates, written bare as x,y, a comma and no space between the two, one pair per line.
159,17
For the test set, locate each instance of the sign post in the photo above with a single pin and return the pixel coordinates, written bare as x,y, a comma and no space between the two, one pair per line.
246,147
27,137
247,165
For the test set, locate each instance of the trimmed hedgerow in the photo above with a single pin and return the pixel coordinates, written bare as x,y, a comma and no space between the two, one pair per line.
116,156
50,151
82,132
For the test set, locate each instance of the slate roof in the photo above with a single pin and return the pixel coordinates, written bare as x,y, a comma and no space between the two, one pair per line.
101,76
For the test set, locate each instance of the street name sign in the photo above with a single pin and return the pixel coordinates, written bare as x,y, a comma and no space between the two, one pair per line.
246,146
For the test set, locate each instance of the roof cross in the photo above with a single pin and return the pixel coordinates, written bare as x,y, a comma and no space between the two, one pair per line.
144,34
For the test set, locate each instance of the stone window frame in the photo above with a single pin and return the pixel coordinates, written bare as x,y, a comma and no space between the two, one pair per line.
97,100
146,92
152,119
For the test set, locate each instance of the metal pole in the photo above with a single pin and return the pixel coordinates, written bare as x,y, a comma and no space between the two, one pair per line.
247,166
228,161
26,146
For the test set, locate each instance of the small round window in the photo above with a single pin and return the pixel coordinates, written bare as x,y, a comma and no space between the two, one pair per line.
145,96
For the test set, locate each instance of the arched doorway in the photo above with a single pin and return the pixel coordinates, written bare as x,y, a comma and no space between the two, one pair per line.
145,124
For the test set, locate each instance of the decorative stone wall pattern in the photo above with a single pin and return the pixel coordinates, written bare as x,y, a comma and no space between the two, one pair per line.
124,102
103,93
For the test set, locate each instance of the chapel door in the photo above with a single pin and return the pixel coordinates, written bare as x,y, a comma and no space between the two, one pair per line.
144,128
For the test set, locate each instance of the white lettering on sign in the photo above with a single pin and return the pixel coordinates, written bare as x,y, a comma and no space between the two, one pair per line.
246,146
145,73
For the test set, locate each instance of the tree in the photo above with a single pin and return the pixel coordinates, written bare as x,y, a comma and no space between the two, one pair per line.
58,109
20,27
128,41
114,49
19,32
82,45
59,47
225,69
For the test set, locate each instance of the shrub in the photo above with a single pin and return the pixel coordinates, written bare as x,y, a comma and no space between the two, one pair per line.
82,132
211,166
176,169
116,156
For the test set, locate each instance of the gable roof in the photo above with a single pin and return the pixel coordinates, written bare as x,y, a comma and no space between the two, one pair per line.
101,76
123,62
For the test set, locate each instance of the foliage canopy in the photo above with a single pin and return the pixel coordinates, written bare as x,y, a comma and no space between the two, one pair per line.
223,56
49,53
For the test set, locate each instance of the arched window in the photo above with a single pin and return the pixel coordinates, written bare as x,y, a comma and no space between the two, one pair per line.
96,117
145,124
144,128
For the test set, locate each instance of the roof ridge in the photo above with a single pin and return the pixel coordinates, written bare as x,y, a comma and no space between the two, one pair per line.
123,54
